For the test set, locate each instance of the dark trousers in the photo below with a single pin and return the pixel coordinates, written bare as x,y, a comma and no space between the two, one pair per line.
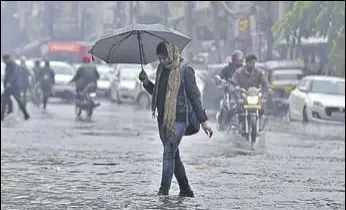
7,102
46,92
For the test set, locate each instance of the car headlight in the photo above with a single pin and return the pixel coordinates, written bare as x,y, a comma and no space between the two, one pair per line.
252,99
317,103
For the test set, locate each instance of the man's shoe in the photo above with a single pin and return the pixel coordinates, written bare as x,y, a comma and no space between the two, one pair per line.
162,191
185,189
26,116
187,193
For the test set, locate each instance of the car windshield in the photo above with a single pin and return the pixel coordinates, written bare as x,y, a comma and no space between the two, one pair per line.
62,69
328,87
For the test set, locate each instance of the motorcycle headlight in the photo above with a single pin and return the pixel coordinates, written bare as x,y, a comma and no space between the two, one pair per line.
252,99
92,95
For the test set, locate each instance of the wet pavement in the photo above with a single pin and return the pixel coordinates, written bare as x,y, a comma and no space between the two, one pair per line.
54,161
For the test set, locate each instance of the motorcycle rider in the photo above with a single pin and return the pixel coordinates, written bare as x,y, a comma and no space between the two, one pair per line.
46,80
87,73
226,74
11,88
228,71
250,76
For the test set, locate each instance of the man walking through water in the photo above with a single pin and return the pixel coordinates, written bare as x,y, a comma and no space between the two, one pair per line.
11,87
170,94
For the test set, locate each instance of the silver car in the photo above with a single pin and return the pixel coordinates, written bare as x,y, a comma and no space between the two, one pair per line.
126,87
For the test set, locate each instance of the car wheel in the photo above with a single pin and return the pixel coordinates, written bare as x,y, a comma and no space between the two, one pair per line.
143,101
305,115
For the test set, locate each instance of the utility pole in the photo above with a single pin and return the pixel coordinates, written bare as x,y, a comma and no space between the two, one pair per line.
270,38
188,8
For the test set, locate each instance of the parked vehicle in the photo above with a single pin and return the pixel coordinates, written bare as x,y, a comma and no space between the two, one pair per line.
318,99
126,87
64,73
103,84
283,76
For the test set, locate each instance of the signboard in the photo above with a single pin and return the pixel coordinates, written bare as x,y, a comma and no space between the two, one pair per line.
242,27
62,47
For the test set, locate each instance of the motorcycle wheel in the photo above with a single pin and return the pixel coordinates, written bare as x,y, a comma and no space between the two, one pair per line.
253,130
78,111
90,112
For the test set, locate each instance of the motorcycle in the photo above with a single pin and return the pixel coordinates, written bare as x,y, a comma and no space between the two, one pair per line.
253,122
227,107
86,100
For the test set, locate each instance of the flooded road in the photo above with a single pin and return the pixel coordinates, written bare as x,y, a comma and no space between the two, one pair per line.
54,161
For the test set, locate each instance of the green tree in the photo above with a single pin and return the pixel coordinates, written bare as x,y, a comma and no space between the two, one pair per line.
311,18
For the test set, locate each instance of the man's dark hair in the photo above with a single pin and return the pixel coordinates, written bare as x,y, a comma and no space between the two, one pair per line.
5,57
161,49
251,57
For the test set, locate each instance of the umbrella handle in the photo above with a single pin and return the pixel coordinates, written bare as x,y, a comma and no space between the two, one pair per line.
141,51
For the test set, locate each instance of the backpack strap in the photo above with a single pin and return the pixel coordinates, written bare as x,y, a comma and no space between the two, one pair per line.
182,75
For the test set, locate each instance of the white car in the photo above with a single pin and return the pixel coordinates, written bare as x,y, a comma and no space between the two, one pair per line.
64,73
318,99
103,84
126,87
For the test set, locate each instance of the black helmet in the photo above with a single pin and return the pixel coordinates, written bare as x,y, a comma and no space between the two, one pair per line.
238,57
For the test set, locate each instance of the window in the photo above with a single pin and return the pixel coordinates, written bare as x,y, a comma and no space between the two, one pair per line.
328,87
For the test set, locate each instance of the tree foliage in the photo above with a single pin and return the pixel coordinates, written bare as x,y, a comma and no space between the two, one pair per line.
321,18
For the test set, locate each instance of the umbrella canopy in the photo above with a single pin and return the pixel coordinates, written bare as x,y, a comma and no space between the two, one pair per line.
136,43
